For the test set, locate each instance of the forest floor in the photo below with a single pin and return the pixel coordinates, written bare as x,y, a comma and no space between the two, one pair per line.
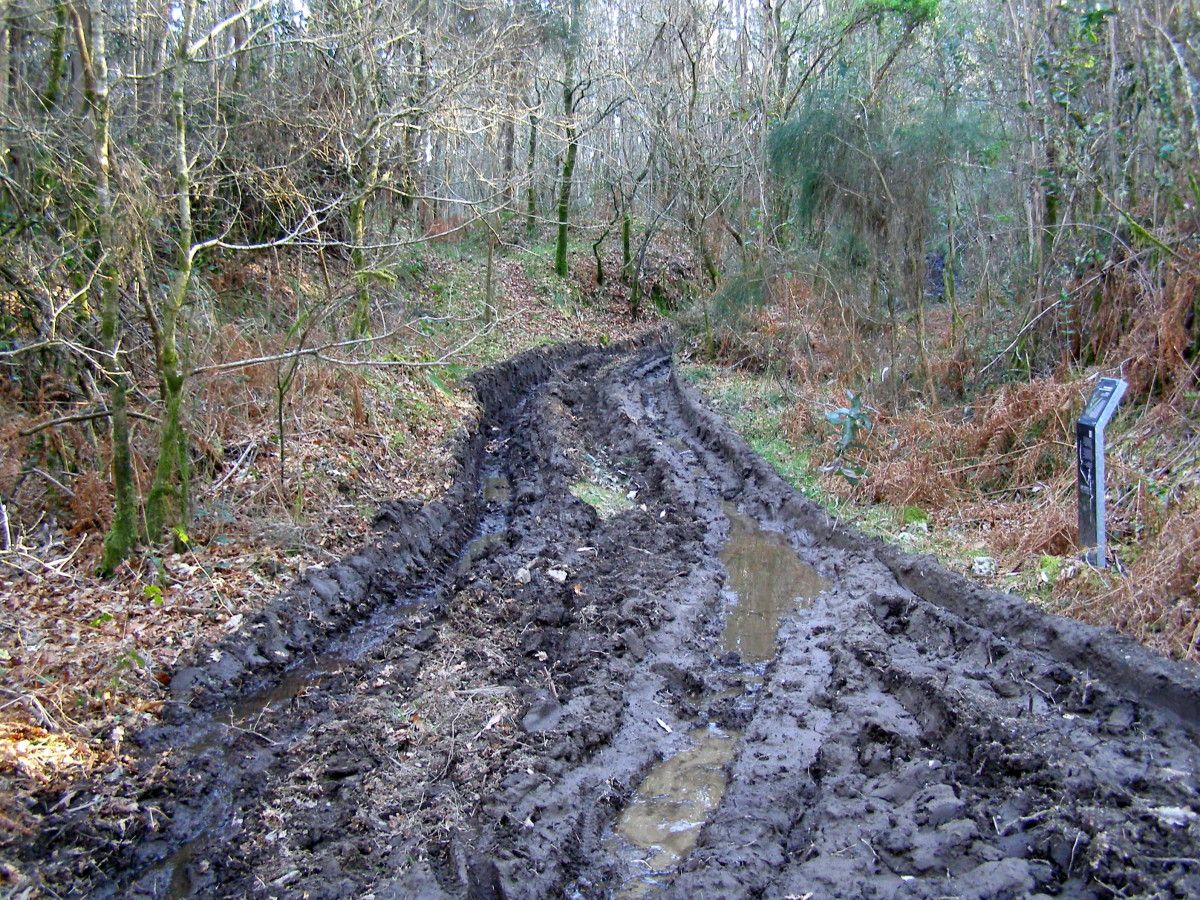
553,647
583,670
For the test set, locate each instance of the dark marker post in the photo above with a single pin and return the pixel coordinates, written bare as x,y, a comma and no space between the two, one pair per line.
1089,453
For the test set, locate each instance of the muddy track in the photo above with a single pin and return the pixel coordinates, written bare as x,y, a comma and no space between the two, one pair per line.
507,694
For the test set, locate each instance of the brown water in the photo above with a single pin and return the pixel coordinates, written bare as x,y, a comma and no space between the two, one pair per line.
673,802
769,580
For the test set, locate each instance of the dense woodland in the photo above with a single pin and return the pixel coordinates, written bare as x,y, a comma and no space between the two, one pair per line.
956,211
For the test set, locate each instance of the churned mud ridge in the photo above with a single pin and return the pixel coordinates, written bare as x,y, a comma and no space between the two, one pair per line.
412,545
936,739
478,707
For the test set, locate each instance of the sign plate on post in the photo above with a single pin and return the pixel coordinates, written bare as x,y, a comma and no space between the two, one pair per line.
1089,443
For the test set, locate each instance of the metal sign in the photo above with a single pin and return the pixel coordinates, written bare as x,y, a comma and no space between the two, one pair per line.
1089,449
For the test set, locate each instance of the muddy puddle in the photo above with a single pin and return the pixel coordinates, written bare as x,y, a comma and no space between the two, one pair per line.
674,801
496,489
769,581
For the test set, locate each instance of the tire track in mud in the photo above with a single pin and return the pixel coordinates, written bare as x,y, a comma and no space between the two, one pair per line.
499,672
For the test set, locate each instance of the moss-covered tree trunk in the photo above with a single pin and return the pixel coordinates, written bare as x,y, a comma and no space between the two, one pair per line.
489,278
56,62
568,168
530,167
122,535
5,55
167,505
626,253
564,201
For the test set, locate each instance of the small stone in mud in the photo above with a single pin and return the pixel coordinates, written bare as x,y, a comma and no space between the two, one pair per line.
423,639
543,715
557,575
1175,816
551,614
523,576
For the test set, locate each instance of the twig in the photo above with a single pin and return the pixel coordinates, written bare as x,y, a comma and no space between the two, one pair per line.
1003,353
290,354
1023,821
30,700
252,733
252,448
54,481
442,360
5,531
81,417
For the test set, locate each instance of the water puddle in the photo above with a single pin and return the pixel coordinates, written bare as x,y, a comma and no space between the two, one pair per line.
673,802
179,864
768,579
496,489
479,548
287,689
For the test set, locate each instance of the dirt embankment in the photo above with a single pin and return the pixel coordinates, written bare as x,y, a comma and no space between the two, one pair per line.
514,692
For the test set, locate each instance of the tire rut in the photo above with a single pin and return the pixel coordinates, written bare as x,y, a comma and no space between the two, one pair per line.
500,671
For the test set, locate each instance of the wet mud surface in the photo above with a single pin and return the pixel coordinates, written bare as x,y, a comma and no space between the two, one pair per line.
695,685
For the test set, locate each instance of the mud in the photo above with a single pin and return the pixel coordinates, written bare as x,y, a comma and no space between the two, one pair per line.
506,694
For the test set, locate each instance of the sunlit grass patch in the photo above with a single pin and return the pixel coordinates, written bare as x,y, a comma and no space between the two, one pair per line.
607,501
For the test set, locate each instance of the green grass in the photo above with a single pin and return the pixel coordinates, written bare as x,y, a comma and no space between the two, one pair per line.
754,405
607,501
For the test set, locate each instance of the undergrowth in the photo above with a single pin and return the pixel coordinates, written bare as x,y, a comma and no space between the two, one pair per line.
985,477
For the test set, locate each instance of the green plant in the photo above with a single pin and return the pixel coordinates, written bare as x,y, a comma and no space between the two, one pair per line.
851,421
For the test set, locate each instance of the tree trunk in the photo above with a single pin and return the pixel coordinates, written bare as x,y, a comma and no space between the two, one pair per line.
5,55
172,472
509,141
596,253
122,534
530,189
358,234
568,170
489,286
564,204
571,134
626,254
56,63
